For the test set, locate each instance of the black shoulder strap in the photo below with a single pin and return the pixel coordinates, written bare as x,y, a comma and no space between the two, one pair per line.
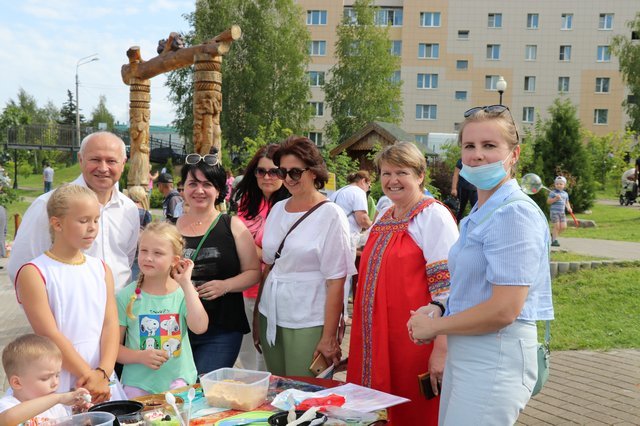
304,216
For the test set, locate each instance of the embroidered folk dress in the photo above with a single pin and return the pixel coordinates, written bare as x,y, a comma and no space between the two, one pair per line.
392,281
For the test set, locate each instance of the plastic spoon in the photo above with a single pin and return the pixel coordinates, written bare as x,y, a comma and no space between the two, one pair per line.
190,397
171,400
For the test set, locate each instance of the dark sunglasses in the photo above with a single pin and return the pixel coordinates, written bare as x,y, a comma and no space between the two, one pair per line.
294,173
262,172
209,159
494,110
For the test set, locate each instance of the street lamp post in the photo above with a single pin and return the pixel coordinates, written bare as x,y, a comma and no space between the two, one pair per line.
501,85
81,61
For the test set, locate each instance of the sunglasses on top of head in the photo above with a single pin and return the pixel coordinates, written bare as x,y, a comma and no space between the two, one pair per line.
294,173
493,110
262,172
209,159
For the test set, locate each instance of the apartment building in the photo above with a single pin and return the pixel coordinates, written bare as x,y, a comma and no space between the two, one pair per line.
454,51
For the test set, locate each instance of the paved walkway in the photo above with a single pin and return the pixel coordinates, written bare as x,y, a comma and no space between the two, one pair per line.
585,387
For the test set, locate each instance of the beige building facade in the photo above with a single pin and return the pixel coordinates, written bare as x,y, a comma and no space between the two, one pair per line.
453,53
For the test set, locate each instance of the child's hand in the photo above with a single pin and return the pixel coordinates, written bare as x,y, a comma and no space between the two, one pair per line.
182,272
152,358
80,398
97,385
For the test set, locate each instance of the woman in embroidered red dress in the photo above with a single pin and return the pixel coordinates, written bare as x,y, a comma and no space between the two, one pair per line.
403,267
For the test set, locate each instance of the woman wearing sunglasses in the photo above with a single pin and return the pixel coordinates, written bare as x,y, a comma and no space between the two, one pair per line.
300,301
500,283
225,260
258,191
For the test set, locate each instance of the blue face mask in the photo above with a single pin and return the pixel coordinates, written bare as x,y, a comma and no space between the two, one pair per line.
485,177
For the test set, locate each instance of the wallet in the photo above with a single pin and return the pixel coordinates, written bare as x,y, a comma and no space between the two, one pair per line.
424,381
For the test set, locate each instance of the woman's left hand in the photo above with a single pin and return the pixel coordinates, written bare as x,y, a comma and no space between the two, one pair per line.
213,289
437,363
330,349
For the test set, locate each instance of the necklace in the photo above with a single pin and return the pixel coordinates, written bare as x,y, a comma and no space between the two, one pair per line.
68,262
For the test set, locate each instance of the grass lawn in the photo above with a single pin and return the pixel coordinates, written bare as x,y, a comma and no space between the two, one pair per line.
565,256
596,309
613,223
60,176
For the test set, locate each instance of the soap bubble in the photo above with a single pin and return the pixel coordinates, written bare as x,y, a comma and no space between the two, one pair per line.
531,184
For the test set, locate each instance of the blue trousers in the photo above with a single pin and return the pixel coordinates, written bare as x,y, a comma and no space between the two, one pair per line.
215,349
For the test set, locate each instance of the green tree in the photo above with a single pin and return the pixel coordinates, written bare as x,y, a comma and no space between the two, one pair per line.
361,88
263,74
68,111
101,114
628,53
558,149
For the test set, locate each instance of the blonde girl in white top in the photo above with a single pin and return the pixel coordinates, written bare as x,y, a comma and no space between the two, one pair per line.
69,296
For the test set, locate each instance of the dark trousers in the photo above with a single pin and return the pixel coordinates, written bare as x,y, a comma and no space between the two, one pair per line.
465,196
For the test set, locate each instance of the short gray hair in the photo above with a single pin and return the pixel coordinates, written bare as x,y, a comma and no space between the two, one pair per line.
90,136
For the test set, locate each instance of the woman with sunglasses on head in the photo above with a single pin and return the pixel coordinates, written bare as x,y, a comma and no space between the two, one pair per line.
500,283
257,192
300,301
402,267
225,260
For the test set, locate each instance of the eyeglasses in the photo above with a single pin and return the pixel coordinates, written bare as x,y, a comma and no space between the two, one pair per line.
494,110
294,173
209,159
262,172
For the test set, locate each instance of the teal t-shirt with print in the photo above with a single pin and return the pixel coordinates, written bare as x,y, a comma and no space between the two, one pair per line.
160,323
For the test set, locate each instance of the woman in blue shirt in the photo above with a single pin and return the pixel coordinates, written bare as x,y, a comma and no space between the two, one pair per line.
500,283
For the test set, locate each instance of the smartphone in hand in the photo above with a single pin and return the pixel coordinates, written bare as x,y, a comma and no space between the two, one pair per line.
424,381
319,364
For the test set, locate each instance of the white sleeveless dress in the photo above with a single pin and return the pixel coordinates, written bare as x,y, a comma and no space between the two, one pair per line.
77,298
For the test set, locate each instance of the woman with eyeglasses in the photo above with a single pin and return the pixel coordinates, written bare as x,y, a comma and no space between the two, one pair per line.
403,266
300,301
225,260
257,192
500,283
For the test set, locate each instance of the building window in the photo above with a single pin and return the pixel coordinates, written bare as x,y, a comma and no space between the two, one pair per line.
427,81
493,51
388,16
461,95
602,84
528,114
428,51
316,17
532,21
567,21
396,47
317,108
490,82
495,20
429,19
600,116
563,84
529,83
316,137
422,139
318,48
606,21
350,16
316,78
462,64
426,112
396,77
604,54
530,52
463,34
565,53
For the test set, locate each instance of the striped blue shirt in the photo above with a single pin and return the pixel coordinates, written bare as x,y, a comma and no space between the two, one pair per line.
504,242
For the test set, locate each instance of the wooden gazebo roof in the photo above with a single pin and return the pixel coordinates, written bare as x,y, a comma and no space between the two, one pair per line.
376,132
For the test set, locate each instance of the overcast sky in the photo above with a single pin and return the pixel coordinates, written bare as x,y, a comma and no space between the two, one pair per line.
42,42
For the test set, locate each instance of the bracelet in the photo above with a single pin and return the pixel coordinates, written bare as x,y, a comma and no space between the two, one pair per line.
439,305
104,373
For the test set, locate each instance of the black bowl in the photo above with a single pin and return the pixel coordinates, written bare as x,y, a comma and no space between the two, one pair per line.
280,419
118,408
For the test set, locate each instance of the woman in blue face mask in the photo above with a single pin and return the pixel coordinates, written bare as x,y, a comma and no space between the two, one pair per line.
500,283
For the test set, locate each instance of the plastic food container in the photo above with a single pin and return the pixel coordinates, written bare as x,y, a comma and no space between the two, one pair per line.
234,388
95,418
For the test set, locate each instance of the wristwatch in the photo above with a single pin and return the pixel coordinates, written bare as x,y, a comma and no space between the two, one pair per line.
439,305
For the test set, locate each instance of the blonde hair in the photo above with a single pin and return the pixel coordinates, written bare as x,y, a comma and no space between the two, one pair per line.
169,233
139,195
358,176
403,154
23,351
61,199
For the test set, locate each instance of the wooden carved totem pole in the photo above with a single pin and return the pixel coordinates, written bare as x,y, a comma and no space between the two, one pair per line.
207,96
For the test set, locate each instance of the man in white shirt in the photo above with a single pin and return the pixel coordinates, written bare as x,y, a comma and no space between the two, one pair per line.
102,157
47,177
